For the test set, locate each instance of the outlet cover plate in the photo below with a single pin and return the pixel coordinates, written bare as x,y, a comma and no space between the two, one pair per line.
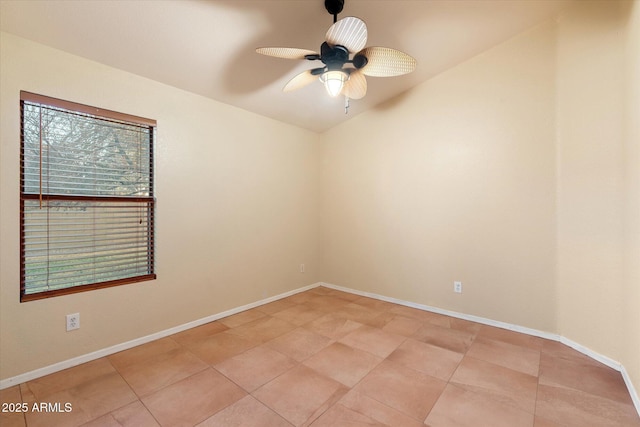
73,321
457,287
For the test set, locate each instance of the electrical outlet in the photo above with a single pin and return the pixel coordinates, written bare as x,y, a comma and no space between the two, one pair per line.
457,287
301,268
73,321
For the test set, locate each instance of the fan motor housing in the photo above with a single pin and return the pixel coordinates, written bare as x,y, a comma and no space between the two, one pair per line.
334,57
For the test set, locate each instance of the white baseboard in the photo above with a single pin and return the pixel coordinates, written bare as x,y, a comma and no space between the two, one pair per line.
528,331
37,373
472,318
632,390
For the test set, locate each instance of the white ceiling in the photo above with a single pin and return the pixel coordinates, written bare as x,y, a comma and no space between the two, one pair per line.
208,46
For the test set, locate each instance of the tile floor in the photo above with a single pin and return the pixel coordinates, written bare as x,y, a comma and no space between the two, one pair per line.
329,358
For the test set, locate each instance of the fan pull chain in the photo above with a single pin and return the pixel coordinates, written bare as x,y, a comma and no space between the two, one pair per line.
346,105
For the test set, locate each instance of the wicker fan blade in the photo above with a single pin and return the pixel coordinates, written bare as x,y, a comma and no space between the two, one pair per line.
386,62
349,32
356,86
285,52
300,81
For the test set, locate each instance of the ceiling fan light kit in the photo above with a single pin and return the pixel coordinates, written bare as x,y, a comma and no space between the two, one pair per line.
334,81
345,39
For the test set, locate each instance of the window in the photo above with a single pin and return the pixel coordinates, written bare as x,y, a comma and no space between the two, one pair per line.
86,198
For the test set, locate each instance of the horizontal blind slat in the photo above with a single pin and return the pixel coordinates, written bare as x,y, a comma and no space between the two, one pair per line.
49,284
139,263
68,271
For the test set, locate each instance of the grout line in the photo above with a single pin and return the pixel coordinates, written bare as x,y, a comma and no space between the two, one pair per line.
535,406
138,397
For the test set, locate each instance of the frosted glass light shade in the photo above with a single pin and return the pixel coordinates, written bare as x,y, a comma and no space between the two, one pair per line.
334,81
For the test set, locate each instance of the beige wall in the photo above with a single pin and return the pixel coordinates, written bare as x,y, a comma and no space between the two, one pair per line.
631,289
454,181
590,178
598,175
237,210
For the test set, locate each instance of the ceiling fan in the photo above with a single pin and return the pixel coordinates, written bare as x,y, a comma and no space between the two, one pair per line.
346,59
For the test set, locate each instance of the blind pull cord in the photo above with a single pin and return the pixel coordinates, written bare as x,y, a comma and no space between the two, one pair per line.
40,135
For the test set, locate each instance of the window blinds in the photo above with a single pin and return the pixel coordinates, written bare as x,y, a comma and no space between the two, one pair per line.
87,203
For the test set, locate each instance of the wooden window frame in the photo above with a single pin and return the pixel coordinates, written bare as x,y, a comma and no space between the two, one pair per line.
149,200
